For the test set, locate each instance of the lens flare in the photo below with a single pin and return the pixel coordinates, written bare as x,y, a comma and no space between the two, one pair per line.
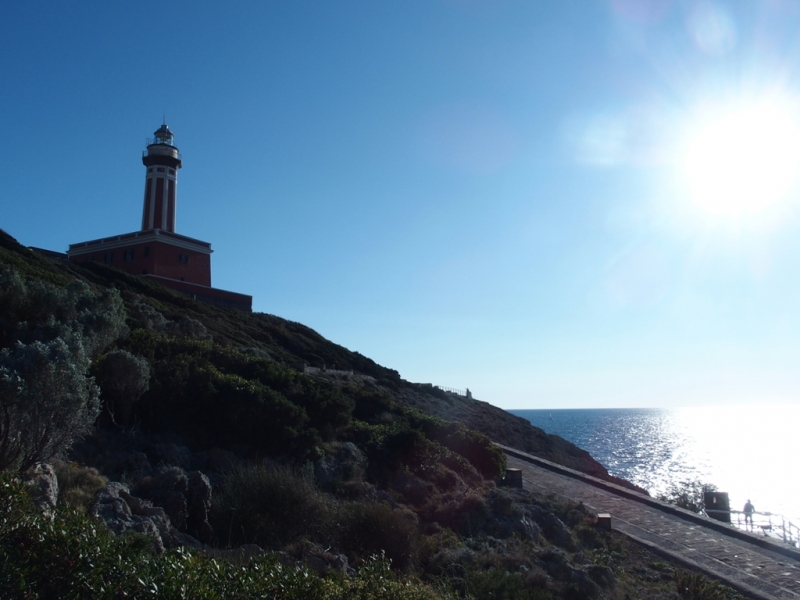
743,160
712,28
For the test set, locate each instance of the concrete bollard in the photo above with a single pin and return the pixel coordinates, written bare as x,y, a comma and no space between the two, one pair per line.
717,506
604,521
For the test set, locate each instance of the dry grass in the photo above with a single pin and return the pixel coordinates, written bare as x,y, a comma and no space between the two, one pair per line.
77,485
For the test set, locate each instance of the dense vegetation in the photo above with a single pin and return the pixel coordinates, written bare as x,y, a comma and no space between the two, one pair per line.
72,556
197,457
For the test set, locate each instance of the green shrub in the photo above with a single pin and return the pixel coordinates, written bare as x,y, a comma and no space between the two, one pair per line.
145,316
463,513
403,443
77,485
270,506
695,586
123,378
38,310
376,528
376,581
392,444
498,583
687,494
589,536
221,396
477,448
72,556
187,327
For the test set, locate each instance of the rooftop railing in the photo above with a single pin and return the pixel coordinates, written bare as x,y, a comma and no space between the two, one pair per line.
156,140
146,153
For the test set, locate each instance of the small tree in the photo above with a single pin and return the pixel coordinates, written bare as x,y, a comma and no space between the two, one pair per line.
46,401
123,378
50,334
688,494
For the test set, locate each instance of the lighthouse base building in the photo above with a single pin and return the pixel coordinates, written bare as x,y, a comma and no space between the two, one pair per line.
156,251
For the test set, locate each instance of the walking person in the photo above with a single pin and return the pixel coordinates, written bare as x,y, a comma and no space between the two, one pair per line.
749,509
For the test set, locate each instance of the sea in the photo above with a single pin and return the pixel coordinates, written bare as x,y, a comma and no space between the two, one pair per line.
751,452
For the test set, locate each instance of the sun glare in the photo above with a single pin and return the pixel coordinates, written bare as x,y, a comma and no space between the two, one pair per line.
743,160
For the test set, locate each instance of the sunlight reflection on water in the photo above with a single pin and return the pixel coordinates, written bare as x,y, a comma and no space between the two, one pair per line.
747,451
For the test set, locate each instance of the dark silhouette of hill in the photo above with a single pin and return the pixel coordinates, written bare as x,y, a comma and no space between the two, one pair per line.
273,352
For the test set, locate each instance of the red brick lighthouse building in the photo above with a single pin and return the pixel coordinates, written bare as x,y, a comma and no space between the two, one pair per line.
156,251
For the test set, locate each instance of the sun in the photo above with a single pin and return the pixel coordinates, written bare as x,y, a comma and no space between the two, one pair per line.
744,159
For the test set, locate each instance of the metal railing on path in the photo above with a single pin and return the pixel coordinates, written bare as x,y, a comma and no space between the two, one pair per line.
771,543
758,567
771,525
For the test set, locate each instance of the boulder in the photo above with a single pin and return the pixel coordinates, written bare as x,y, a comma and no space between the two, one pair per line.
121,512
43,484
199,505
602,575
553,529
184,497
168,489
581,582
343,462
526,529
322,565
504,526
340,564
508,516
556,564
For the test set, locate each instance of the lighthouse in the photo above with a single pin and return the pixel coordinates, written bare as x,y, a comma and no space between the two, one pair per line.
162,160
157,252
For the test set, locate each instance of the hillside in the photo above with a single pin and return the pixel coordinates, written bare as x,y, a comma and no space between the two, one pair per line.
293,346
153,445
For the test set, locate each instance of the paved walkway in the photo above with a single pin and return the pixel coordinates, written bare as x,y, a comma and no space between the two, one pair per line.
755,566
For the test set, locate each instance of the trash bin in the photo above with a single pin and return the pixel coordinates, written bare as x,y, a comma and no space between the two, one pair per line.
717,506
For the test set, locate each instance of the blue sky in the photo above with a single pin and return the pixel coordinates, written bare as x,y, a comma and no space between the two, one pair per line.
582,203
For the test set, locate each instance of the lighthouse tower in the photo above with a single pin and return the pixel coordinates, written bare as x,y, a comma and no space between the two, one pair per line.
157,252
162,160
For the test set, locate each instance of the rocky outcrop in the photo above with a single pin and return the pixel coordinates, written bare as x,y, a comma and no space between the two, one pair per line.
500,515
319,560
184,497
122,512
557,565
344,462
324,563
198,498
602,575
43,485
553,528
